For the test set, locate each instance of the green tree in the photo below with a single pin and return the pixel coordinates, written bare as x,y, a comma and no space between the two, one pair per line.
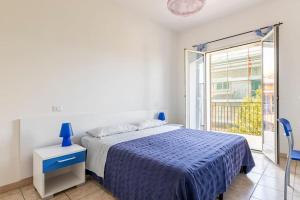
249,117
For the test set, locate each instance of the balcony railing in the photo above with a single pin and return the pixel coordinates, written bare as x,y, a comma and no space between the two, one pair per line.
243,118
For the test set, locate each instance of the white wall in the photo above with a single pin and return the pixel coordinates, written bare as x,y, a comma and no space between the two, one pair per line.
89,56
262,15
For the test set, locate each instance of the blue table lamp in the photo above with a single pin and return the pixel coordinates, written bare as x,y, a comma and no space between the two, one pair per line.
162,116
66,132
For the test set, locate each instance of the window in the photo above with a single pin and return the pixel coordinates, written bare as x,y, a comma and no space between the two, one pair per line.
222,86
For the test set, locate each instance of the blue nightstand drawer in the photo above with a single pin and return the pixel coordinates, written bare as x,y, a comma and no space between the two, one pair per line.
63,161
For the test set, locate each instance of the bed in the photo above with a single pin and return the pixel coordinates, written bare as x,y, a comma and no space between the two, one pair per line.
167,163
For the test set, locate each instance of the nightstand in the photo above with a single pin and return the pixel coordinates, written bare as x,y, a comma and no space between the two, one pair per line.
176,125
57,168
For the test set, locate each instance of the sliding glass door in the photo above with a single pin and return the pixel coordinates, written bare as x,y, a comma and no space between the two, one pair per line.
270,95
195,90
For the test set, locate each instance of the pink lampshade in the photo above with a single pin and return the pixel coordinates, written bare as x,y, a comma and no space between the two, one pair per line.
185,7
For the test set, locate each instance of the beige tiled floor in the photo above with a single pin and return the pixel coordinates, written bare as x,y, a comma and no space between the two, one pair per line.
91,190
265,182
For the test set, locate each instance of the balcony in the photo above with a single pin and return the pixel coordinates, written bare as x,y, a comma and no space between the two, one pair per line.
242,118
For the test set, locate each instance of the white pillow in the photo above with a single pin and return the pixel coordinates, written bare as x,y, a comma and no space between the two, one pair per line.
112,130
150,124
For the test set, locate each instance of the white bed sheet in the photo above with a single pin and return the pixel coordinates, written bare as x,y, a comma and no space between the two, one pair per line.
97,148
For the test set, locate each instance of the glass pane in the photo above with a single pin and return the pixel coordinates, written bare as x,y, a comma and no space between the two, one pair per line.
196,90
238,64
269,100
255,69
236,79
239,90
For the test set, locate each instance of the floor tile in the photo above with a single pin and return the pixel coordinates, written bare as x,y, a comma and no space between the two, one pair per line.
298,170
99,195
258,169
274,171
242,187
296,197
260,164
243,184
296,188
60,196
257,155
12,195
78,192
236,195
297,179
282,165
30,193
242,180
274,182
266,193
252,176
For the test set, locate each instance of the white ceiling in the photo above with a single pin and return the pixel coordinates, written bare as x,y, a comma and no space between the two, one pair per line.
157,10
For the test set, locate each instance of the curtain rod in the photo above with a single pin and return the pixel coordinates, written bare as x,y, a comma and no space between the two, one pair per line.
247,32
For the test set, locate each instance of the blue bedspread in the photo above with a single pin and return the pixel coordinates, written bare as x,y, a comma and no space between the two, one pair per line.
184,164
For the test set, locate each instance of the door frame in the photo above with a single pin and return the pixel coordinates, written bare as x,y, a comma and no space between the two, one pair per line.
207,81
208,74
186,85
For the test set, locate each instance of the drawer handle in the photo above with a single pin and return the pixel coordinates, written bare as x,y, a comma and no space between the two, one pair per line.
65,160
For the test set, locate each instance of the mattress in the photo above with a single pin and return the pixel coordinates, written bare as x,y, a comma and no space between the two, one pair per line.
97,148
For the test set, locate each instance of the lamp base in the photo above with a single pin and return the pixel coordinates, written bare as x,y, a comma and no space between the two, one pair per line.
66,142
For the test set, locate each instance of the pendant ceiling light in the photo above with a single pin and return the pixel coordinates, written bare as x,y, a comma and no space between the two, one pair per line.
185,7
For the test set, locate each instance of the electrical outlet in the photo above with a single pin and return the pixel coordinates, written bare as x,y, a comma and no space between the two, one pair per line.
57,108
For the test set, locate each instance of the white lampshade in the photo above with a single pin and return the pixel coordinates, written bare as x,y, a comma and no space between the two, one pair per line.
185,7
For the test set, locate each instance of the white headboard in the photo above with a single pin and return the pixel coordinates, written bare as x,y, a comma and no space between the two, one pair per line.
44,131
